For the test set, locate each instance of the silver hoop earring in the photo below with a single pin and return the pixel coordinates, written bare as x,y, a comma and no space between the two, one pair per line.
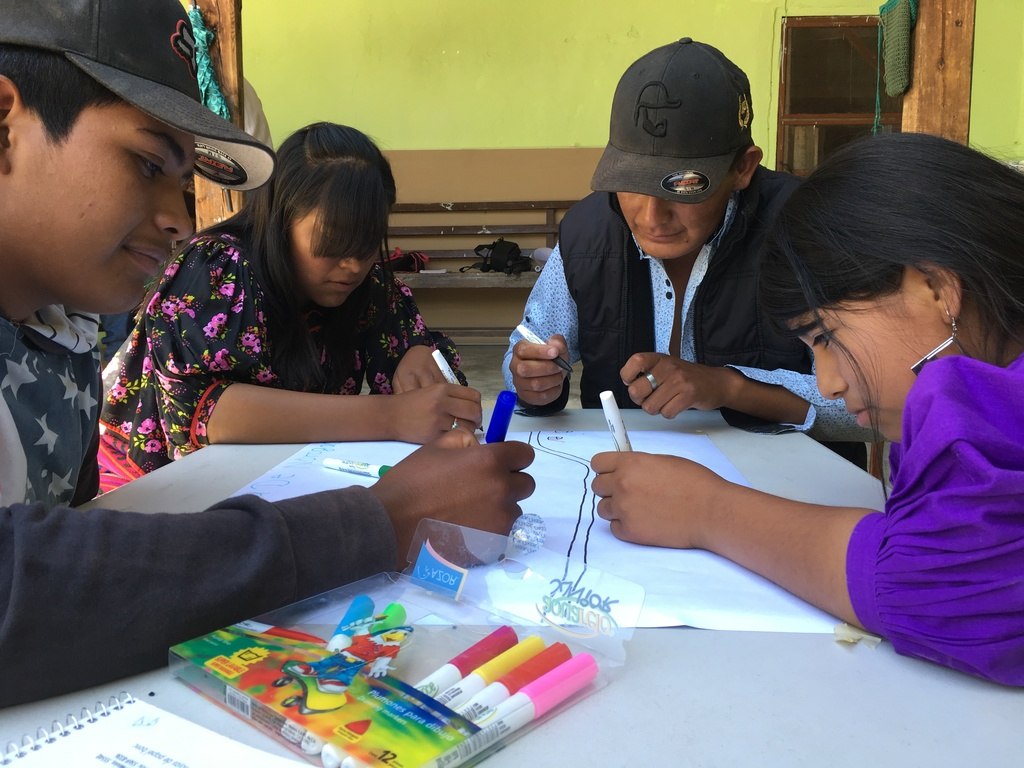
950,342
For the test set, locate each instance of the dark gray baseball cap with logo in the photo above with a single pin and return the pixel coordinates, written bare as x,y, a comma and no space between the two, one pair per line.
679,116
143,51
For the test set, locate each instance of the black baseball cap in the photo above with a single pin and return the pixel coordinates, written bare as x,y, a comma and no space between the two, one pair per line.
144,52
679,116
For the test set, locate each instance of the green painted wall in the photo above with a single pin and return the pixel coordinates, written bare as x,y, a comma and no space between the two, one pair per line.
454,74
997,88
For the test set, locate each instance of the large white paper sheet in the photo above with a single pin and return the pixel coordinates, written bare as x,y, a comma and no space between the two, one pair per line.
683,587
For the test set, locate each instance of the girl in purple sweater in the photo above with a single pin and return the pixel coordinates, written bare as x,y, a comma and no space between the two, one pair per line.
900,262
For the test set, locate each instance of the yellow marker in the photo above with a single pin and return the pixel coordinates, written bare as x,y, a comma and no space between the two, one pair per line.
490,671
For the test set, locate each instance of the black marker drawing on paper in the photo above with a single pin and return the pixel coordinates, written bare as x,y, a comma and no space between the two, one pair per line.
586,510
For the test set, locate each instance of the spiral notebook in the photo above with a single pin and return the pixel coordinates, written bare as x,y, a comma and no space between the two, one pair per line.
128,733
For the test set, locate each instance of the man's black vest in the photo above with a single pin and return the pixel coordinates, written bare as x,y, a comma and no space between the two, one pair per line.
611,286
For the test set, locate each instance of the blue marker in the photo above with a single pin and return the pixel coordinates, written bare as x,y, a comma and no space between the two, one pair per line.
500,417
355,621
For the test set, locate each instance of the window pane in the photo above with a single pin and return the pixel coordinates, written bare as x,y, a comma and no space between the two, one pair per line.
807,145
832,70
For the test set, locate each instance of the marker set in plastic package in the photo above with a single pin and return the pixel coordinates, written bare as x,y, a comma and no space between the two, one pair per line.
441,665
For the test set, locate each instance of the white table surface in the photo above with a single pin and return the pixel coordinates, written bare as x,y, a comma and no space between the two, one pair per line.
685,697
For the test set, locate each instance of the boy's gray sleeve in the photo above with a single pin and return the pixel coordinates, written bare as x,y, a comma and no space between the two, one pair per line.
90,596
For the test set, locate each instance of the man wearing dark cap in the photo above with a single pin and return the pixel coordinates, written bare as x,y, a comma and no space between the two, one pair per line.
653,282
100,128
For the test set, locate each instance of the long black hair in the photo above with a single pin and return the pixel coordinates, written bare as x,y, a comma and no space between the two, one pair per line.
894,201
338,172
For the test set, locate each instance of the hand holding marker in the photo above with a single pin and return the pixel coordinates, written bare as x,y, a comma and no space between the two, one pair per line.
528,530
501,417
533,338
614,419
448,373
357,467
446,370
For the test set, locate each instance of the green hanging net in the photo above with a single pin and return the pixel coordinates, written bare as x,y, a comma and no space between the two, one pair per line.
897,18
209,89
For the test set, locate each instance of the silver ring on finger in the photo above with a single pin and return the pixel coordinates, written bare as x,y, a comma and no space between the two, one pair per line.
455,423
651,380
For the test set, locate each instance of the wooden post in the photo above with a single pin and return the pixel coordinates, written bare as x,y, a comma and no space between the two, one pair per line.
939,98
224,18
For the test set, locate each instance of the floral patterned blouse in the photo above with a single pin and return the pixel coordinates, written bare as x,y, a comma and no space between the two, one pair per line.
204,329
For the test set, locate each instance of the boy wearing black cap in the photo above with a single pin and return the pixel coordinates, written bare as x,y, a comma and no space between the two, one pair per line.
653,281
100,128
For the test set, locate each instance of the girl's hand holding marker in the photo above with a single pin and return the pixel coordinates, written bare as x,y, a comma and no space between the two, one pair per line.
449,376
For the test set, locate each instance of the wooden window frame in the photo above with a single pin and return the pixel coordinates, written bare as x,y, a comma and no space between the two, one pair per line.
786,120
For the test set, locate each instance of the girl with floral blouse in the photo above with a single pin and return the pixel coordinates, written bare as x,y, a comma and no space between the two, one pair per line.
261,321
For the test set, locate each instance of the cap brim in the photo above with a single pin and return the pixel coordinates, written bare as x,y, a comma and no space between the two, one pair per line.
680,179
224,153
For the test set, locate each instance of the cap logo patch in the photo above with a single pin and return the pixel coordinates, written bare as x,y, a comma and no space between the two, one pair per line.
685,183
184,44
219,167
744,112
653,96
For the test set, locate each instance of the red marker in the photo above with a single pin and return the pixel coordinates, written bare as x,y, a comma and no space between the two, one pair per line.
259,628
499,641
495,693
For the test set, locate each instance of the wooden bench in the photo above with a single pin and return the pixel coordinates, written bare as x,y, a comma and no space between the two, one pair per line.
449,232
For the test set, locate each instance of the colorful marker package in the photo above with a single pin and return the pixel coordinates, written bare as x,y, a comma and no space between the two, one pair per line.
440,665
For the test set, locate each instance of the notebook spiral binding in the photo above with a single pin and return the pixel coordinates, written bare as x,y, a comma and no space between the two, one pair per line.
29,743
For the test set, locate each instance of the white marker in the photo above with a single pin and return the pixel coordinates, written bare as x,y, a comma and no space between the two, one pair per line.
446,369
533,338
614,418
357,467
529,335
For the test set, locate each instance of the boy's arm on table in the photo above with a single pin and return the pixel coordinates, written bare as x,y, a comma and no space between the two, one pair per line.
88,597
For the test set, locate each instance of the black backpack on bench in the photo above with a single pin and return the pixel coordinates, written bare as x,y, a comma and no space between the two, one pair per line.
500,256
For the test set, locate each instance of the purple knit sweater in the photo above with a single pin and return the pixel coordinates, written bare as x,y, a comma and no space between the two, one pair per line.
941,572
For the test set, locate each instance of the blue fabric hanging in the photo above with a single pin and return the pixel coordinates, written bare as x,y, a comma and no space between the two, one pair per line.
209,89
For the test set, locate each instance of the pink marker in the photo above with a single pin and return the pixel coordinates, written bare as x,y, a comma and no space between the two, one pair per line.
499,641
533,700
